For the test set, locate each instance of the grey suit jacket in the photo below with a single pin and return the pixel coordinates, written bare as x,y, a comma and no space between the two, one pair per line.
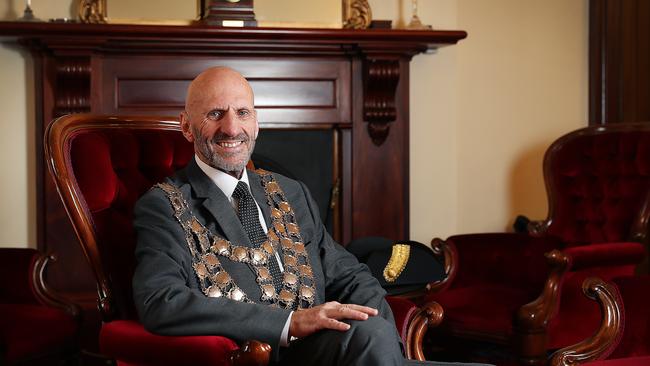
166,290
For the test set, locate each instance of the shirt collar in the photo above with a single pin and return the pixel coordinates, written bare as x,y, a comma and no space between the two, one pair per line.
226,182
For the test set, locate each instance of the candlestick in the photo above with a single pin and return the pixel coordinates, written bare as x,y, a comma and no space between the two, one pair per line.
28,14
415,22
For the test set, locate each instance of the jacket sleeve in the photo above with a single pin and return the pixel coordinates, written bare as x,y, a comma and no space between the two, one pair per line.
346,280
166,302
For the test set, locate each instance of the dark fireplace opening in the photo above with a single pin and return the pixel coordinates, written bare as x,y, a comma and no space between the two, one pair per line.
304,155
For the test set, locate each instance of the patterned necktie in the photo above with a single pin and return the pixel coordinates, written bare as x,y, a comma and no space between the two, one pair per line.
249,217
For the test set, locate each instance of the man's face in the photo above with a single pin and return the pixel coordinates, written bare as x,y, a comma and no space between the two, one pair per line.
221,121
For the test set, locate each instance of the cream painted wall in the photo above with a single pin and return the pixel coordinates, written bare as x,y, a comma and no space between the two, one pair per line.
482,112
523,82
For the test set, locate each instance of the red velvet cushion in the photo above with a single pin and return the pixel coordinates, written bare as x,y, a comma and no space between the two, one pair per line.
635,292
31,330
607,254
487,309
129,342
403,311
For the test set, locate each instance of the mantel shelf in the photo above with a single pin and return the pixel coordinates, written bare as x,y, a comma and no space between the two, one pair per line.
200,39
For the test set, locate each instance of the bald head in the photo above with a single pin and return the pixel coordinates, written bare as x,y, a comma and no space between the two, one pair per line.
212,80
220,119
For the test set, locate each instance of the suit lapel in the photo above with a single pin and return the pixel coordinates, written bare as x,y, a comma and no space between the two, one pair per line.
217,204
260,195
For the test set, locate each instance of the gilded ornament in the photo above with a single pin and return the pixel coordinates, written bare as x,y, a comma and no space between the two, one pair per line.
264,274
258,257
176,202
236,294
272,187
275,213
222,278
299,247
201,270
286,296
196,225
273,237
305,270
287,244
357,14
279,227
268,292
211,260
239,254
290,279
92,11
293,228
306,292
221,247
290,261
268,247
397,262
284,206
214,291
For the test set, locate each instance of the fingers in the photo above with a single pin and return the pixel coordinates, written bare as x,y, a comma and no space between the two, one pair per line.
348,311
327,316
364,309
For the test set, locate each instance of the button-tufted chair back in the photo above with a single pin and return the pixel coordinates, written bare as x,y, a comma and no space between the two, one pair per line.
103,165
598,180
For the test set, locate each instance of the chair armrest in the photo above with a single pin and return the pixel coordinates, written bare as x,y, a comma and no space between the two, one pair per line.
127,341
25,280
606,254
413,322
532,319
251,353
608,335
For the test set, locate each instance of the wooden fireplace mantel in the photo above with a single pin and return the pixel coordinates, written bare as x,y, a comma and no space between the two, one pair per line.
352,82
201,39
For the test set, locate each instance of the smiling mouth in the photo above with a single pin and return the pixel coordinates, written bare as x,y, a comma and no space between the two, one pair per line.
229,144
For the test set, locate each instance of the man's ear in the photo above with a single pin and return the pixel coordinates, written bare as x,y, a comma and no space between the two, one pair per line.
185,127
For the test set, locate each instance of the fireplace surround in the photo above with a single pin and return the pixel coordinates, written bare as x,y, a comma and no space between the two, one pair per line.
350,87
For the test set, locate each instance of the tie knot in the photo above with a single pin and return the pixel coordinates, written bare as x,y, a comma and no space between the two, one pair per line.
241,190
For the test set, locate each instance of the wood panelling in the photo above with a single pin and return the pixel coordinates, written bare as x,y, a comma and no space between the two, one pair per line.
619,61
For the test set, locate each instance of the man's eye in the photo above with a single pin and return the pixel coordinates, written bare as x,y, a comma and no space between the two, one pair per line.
215,114
243,113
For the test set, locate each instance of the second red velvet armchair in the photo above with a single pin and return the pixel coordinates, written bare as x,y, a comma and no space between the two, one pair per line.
523,290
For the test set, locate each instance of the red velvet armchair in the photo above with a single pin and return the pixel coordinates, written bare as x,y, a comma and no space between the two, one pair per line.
101,165
36,326
523,290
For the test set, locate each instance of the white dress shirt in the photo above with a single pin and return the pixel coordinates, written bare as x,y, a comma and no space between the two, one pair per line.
227,184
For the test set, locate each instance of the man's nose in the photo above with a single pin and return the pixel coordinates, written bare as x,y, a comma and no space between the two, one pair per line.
229,124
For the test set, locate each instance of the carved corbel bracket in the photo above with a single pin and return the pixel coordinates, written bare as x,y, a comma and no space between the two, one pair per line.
72,85
380,78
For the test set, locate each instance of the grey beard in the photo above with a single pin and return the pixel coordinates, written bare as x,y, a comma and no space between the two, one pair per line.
218,162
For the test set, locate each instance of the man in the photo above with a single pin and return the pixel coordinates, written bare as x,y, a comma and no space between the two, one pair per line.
222,250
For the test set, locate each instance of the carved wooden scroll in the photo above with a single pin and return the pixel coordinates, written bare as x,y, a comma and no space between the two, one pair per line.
380,80
72,86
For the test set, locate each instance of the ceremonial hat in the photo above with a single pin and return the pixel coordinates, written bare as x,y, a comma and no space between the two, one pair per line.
400,266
